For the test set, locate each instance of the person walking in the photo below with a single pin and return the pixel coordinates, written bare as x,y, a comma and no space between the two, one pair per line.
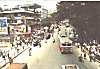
90,57
40,44
30,49
78,44
84,55
93,57
82,49
10,60
53,40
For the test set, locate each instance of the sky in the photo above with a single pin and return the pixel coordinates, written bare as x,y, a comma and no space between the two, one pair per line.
49,5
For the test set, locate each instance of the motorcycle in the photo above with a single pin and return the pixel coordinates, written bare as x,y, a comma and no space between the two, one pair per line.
81,59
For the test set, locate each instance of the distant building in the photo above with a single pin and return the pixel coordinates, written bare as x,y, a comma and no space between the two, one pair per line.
21,18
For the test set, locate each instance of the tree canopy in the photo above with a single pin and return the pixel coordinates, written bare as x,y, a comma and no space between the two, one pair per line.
83,15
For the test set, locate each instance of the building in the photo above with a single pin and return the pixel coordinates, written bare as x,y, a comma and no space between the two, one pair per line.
19,20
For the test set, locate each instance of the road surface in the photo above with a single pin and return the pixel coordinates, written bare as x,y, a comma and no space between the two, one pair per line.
50,57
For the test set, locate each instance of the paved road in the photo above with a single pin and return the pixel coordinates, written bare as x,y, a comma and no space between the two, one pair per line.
49,57
53,59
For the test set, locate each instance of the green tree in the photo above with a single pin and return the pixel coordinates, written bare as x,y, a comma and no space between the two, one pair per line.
35,6
47,21
84,16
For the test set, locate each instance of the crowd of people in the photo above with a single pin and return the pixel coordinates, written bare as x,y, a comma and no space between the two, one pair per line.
22,41
19,44
91,49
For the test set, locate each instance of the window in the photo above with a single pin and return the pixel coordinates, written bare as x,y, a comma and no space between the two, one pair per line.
63,44
68,44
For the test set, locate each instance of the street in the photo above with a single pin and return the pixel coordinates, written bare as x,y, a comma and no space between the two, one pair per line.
49,34
50,57
53,59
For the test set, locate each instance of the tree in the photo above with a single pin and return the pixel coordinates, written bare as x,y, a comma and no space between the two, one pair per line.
47,21
84,16
35,6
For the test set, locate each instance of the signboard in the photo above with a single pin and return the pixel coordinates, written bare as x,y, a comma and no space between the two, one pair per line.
17,29
3,26
3,23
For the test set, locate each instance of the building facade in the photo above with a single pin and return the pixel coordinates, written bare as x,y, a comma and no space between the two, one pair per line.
19,20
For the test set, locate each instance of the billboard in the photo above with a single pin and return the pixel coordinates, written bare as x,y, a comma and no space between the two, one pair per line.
3,23
3,26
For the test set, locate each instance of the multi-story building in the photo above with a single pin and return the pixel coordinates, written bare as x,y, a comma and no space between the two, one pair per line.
19,20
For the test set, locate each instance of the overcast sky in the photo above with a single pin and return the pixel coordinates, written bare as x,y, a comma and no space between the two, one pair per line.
49,5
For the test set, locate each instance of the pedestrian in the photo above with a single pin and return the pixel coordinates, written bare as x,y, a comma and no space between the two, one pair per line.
12,44
40,44
17,49
10,60
53,40
90,57
8,54
23,46
4,57
26,41
30,42
84,55
96,48
94,58
82,49
78,44
30,49
45,41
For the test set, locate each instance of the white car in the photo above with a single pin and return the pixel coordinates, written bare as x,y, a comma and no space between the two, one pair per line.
69,66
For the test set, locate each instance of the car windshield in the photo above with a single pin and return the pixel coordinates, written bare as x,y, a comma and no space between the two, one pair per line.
70,67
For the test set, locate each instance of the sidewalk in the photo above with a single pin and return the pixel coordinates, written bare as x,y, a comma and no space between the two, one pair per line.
36,54
87,56
13,54
23,55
